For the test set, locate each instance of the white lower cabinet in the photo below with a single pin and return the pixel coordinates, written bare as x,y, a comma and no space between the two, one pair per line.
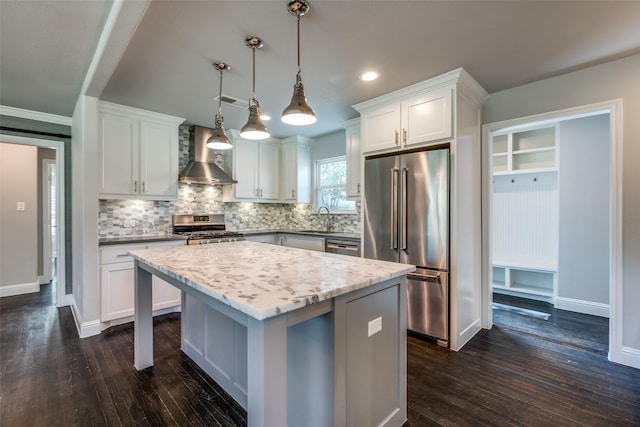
117,283
312,243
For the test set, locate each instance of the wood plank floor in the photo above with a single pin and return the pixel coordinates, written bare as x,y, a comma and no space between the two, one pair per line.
49,377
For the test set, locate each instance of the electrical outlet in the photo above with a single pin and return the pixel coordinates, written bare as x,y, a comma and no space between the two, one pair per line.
20,206
375,326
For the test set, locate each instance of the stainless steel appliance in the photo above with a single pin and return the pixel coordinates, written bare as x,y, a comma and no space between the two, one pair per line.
406,219
201,229
342,246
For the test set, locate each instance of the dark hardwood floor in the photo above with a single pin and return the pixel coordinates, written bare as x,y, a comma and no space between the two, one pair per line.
49,377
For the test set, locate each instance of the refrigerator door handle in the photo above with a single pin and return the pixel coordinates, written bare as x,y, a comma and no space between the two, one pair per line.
405,216
424,276
394,208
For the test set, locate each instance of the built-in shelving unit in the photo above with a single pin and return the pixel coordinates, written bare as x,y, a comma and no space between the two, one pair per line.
525,216
525,151
524,279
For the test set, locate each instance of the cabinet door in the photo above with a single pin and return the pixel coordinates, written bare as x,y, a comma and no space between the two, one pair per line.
118,153
158,160
164,294
269,170
303,242
289,172
117,290
246,169
353,163
380,128
427,117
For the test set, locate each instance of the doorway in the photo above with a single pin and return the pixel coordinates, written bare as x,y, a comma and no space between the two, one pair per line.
540,280
56,197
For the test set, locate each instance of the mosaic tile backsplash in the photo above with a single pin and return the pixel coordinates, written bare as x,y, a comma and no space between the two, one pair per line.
135,217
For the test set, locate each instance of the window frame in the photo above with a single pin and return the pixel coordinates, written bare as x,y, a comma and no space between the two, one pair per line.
318,187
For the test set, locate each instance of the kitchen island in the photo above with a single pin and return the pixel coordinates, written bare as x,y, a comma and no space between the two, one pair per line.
297,337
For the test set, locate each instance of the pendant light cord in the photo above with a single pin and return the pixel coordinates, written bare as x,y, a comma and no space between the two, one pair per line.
254,73
220,97
299,76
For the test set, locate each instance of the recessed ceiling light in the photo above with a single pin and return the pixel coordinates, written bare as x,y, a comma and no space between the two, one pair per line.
265,117
369,76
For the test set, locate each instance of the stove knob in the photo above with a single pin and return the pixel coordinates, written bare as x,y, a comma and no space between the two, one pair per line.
208,241
219,240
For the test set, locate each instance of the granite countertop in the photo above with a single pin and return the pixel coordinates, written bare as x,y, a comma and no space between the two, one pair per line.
266,280
319,233
142,238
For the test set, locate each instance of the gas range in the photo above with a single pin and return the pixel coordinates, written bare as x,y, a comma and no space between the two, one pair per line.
202,229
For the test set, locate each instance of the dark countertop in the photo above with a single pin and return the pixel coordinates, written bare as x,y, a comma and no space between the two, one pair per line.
139,239
319,233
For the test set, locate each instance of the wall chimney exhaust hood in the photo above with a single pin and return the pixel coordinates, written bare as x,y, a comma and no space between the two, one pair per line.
202,168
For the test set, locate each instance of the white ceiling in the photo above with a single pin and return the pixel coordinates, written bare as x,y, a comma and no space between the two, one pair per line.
46,47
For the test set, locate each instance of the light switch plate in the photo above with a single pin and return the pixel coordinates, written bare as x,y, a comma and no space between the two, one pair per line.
375,326
20,206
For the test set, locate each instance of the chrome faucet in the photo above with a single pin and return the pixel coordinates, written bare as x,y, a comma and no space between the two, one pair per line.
328,223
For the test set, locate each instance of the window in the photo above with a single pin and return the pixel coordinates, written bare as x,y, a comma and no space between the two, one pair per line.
331,185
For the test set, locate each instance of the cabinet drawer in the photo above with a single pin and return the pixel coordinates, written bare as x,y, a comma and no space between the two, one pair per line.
120,252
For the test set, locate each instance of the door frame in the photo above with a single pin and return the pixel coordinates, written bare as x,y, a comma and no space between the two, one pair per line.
614,109
62,299
47,248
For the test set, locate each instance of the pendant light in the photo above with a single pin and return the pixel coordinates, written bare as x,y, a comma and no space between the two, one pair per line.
298,113
218,140
254,129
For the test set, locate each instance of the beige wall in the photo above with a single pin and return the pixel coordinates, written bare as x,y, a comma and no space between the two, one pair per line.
18,229
614,80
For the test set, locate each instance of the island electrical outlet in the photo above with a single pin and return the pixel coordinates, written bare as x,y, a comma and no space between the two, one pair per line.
375,326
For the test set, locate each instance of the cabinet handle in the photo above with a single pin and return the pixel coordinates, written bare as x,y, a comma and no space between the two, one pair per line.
396,138
135,186
143,190
293,194
404,137
261,193
257,192
358,188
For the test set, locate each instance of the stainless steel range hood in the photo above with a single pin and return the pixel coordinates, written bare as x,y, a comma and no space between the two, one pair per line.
202,168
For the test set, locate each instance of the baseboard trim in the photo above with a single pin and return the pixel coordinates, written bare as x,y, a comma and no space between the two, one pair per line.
628,356
582,306
85,329
466,335
19,289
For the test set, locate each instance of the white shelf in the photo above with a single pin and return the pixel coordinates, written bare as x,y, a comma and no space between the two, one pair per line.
525,279
527,150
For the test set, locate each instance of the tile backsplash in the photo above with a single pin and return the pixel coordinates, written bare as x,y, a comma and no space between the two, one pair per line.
134,217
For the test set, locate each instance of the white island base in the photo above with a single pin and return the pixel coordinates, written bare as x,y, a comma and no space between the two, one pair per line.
340,361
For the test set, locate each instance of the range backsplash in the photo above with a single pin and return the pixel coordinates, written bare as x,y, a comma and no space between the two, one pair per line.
134,217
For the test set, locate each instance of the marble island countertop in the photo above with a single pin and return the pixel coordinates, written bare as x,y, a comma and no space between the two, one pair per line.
263,281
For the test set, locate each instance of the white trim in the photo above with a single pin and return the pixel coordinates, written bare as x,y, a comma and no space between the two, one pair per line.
614,108
34,115
60,204
45,209
463,337
42,280
628,356
583,306
19,289
85,329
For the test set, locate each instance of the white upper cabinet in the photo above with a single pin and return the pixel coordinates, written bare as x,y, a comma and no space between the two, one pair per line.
410,117
256,167
354,158
296,170
138,153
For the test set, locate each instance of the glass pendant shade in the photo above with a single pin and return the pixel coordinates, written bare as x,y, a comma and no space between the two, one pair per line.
254,129
218,139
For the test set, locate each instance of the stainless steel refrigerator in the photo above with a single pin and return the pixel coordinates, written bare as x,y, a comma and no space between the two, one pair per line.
406,219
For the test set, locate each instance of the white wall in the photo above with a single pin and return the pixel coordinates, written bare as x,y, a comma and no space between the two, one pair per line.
614,80
583,254
86,285
18,229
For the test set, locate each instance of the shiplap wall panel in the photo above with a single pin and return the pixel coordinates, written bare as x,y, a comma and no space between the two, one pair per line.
525,220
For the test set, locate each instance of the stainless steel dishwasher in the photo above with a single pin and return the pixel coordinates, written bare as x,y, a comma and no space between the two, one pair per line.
342,246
